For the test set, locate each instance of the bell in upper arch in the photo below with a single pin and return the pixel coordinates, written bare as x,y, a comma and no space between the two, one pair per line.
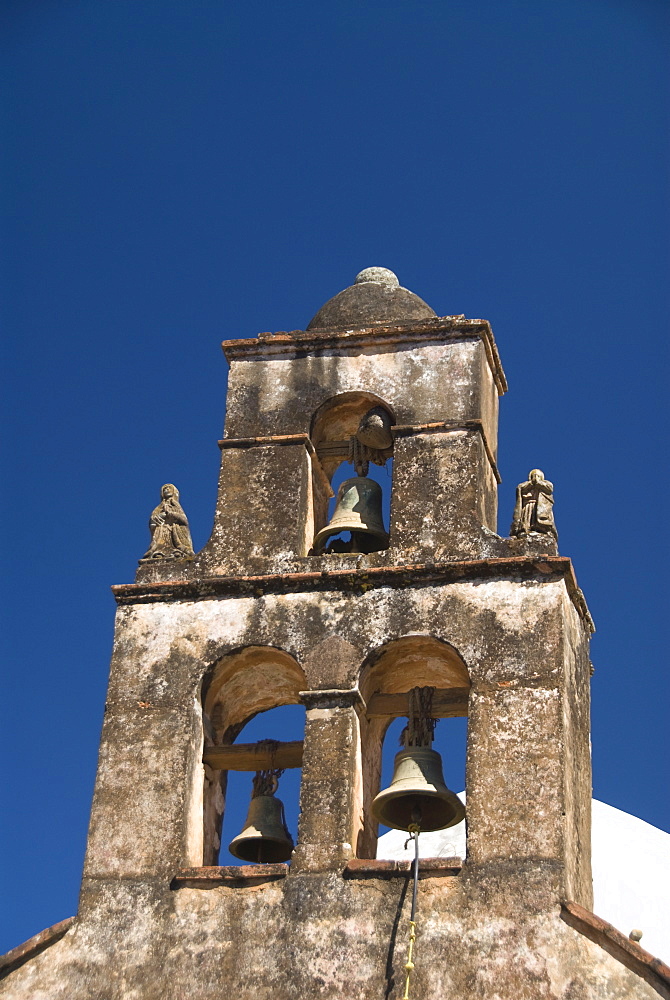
359,510
265,838
418,794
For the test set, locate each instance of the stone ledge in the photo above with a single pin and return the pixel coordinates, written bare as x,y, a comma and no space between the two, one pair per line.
428,868
232,875
422,331
33,946
246,875
398,431
404,575
629,953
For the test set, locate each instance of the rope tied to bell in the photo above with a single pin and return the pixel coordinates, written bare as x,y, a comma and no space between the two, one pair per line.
420,728
266,781
360,456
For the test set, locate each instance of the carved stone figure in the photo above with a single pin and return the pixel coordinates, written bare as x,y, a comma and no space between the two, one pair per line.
533,513
170,535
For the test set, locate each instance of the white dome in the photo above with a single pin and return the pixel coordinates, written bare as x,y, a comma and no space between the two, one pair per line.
631,869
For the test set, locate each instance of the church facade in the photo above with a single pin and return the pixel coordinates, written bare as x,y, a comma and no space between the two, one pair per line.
281,608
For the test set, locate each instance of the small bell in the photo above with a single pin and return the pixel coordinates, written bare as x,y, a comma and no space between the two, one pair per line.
358,510
417,793
265,837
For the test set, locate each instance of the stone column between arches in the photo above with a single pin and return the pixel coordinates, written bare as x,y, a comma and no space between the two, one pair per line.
330,790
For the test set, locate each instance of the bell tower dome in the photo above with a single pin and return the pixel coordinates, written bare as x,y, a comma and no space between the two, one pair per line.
375,299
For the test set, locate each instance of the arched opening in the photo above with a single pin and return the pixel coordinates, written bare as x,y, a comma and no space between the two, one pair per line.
373,508
252,696
386,679
283,726
353,443
450,741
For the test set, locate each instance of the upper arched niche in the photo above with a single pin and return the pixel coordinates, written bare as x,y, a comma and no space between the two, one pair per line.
251,680
336,422
412,661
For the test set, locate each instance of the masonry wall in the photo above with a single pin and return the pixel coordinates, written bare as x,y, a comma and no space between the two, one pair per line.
491,928
275,393
445,488
255,621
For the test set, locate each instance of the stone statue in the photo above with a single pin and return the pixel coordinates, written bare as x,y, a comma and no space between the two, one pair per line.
170,535
533,513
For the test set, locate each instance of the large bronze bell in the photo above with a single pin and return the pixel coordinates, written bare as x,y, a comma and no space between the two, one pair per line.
265,837
359,510
418,794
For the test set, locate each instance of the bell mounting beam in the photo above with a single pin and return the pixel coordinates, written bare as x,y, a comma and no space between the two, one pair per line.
447,703
251,757
340,449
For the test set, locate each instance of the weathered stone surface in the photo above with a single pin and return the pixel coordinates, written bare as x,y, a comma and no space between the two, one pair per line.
521,643
289,399
254,622
626,949
326,936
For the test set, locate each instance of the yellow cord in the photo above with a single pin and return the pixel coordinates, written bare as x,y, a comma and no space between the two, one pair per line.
409,964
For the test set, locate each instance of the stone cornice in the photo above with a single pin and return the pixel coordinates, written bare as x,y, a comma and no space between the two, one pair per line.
653,970
424,332
540,567
240,876
33,946
398,431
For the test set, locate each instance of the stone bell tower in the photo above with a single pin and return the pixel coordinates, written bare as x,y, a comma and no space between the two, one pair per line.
265,616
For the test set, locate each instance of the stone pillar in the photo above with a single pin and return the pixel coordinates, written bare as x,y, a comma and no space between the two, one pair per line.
330,784
137,821
528,778
265,507
444,492
146,817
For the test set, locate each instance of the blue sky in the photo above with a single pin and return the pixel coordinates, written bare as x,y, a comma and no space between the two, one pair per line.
175,174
